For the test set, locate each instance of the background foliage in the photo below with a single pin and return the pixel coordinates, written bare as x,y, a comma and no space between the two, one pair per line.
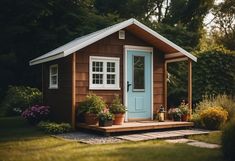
30,28
214,73
19,98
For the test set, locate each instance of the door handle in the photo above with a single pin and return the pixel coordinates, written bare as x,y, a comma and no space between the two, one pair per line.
128,85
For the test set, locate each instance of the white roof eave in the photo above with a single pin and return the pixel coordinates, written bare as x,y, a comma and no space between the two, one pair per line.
181,50
43,60
57,53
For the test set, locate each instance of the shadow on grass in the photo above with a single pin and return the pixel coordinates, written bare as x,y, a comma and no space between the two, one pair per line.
166,152
145,151
15,128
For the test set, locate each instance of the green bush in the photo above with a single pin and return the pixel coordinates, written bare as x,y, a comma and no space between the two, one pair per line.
92,104
117,107
227,103
196,119
214,73
54,128
18,98
228,141
213,118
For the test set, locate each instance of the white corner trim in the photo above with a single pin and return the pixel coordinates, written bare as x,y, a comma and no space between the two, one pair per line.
138,48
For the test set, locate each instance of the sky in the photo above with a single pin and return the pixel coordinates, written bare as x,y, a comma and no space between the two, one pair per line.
209,17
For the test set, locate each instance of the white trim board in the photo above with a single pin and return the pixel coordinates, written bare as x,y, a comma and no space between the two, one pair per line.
89,39
135,48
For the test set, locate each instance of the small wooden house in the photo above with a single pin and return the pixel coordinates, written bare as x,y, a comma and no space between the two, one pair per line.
128,59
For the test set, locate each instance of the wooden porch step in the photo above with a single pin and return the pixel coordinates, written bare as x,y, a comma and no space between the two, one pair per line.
136,126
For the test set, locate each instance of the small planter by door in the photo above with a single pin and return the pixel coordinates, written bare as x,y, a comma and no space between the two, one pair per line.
184,117
91,119
118,119
177,117
105,123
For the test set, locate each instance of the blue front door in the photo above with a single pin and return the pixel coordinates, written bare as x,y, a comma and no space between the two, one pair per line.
139,85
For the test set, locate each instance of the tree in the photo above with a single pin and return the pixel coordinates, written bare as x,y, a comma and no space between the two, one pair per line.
223,30
31,28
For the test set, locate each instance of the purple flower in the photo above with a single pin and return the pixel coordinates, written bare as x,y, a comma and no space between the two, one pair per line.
35,113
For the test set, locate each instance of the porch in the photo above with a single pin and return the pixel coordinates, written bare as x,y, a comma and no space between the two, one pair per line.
135,126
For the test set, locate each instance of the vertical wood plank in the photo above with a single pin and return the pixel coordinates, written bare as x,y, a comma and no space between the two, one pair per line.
73,89
190,85
165,87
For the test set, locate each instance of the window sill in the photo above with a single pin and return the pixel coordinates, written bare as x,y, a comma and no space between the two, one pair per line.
104,89
53,87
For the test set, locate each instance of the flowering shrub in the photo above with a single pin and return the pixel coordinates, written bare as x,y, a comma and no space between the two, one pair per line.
36,113
184,108
105,116
224,101
175,114
213,118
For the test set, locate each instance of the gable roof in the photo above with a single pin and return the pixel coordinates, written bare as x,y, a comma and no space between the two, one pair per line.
89,39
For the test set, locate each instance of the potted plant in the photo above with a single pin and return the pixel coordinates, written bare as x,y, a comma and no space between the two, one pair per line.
175,114
118,109
91,107
105,119
184,111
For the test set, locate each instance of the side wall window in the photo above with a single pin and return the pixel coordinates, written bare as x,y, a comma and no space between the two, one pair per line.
53,76
104,73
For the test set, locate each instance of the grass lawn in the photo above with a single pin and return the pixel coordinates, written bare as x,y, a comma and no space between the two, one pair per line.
20,142
214,137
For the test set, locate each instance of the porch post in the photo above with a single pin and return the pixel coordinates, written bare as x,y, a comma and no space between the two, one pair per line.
165,86
190,86
73,89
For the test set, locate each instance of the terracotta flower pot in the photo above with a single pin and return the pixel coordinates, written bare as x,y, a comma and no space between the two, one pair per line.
184,118
118,119
91,119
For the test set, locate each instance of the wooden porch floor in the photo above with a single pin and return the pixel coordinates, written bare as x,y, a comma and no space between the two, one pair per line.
136,126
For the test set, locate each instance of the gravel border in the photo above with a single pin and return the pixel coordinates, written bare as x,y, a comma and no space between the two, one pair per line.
88,138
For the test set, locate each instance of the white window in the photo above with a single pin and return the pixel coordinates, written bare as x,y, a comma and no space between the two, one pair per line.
53,76
104,73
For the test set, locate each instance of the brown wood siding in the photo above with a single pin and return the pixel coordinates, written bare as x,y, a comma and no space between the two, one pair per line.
60,100
158,80
111,46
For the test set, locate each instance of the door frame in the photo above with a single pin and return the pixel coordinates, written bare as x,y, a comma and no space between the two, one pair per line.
136,48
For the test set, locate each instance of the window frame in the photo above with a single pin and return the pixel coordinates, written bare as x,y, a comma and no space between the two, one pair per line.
53,86
133,75
105,60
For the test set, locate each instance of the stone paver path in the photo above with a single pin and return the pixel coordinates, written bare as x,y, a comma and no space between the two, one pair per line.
98,139
204,145
194,143
161,135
